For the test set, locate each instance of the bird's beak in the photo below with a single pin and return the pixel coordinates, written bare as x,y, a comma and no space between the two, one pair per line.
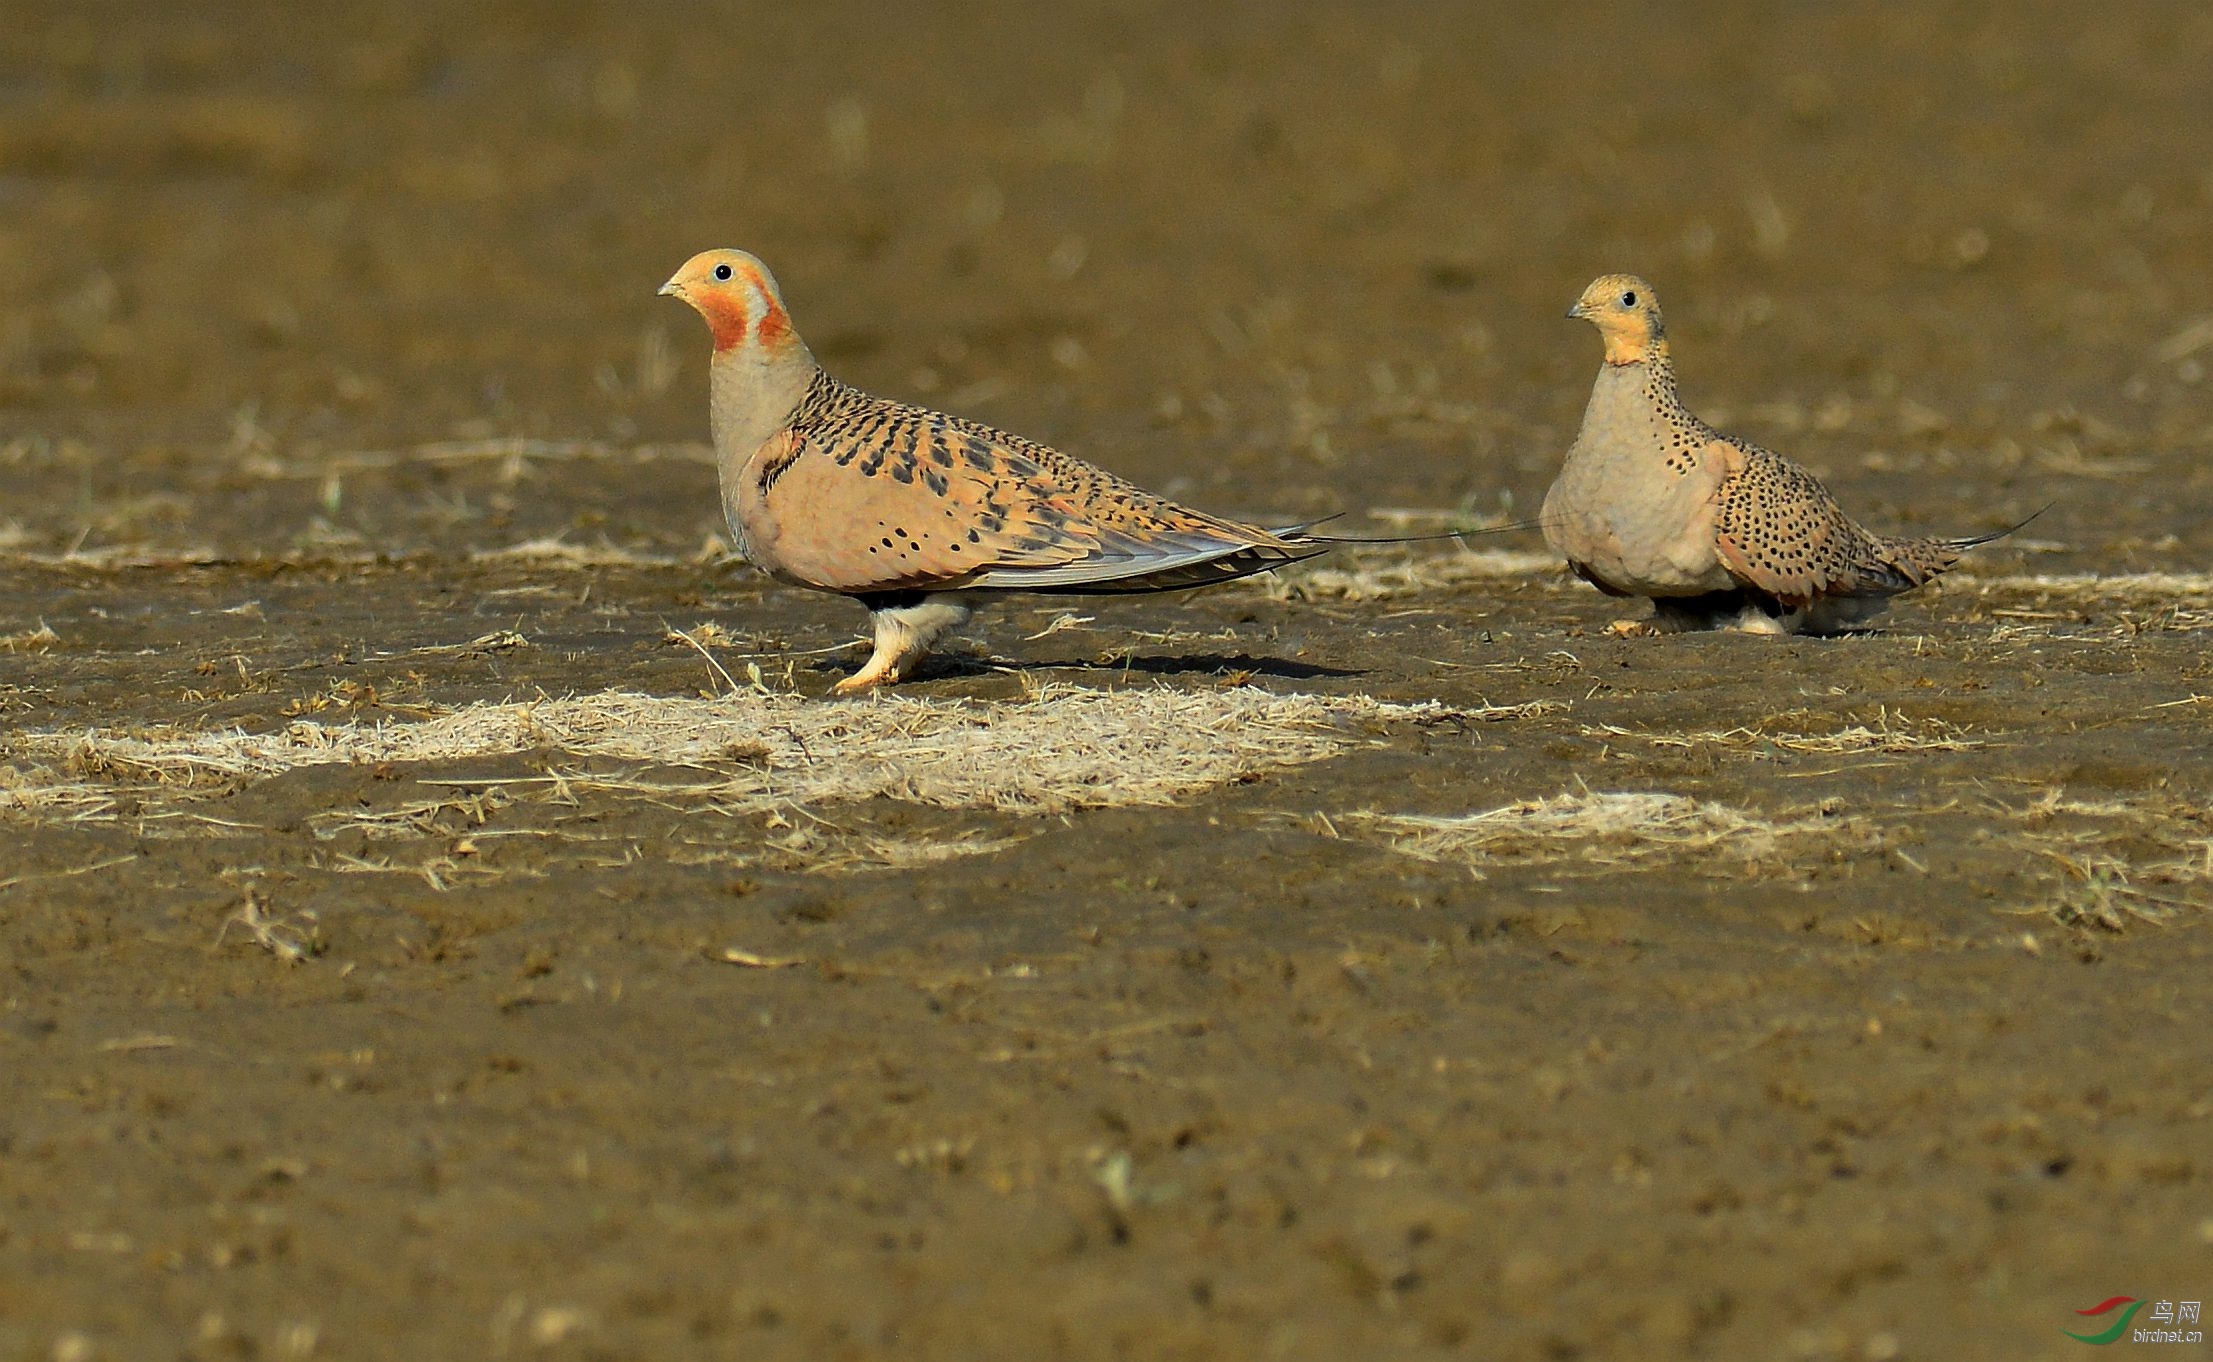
671,289
1575,313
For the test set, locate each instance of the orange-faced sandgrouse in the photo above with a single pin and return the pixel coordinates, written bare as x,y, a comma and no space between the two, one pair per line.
914,513
1717,531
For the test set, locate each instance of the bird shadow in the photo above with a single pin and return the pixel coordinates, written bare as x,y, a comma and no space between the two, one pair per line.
1189,664
1183,664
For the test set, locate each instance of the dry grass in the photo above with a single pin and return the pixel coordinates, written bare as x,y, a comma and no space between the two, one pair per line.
27,640
448,816
1891,734
550,554
1384,575
2130,587
1606,829
290,939
123,557
445,856
2119,862
512,451
752,751
555,552
822,848
2111,894
774,760
2168,601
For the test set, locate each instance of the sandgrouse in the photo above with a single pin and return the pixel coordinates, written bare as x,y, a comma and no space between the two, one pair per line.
1717,531
914,513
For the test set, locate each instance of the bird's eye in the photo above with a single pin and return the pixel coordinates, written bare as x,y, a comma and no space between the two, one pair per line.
722,271
1629,300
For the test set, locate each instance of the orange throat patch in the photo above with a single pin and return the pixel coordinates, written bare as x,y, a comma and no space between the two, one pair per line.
774,325
1624,347
724,318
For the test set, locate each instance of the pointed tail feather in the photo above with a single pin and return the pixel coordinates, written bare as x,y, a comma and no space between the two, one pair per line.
1224,567
1119,573
1907,563
1962,545
1128,568
1298,535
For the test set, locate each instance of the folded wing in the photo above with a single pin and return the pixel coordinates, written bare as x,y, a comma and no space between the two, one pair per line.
1778,529
879,496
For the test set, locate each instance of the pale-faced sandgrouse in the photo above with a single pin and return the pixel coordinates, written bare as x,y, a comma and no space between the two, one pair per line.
1715,530
914,513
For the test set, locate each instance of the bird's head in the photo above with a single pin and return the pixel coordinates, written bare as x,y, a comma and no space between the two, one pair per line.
1626,314
738,297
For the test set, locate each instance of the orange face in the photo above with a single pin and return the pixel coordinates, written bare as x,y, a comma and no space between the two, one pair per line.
737,296
1626,314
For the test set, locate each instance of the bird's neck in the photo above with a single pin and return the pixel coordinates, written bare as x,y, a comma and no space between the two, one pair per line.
1626,394
1627,347
1649,376
753,392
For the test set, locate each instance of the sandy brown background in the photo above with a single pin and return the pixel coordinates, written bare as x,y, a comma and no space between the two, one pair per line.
301,307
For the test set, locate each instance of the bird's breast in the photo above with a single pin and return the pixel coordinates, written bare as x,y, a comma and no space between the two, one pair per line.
1636,518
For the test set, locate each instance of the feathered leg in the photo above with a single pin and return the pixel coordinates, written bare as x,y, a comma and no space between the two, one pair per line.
1842,614
906,626
1738,611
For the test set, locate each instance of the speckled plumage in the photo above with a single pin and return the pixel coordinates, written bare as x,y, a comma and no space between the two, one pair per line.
1651,501
914,512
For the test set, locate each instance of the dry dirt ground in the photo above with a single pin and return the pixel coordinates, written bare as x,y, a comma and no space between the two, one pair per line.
439,916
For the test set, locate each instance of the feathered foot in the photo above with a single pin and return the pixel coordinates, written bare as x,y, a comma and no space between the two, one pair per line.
906,626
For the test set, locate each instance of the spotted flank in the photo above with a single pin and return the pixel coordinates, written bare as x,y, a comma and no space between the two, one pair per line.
1780,531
